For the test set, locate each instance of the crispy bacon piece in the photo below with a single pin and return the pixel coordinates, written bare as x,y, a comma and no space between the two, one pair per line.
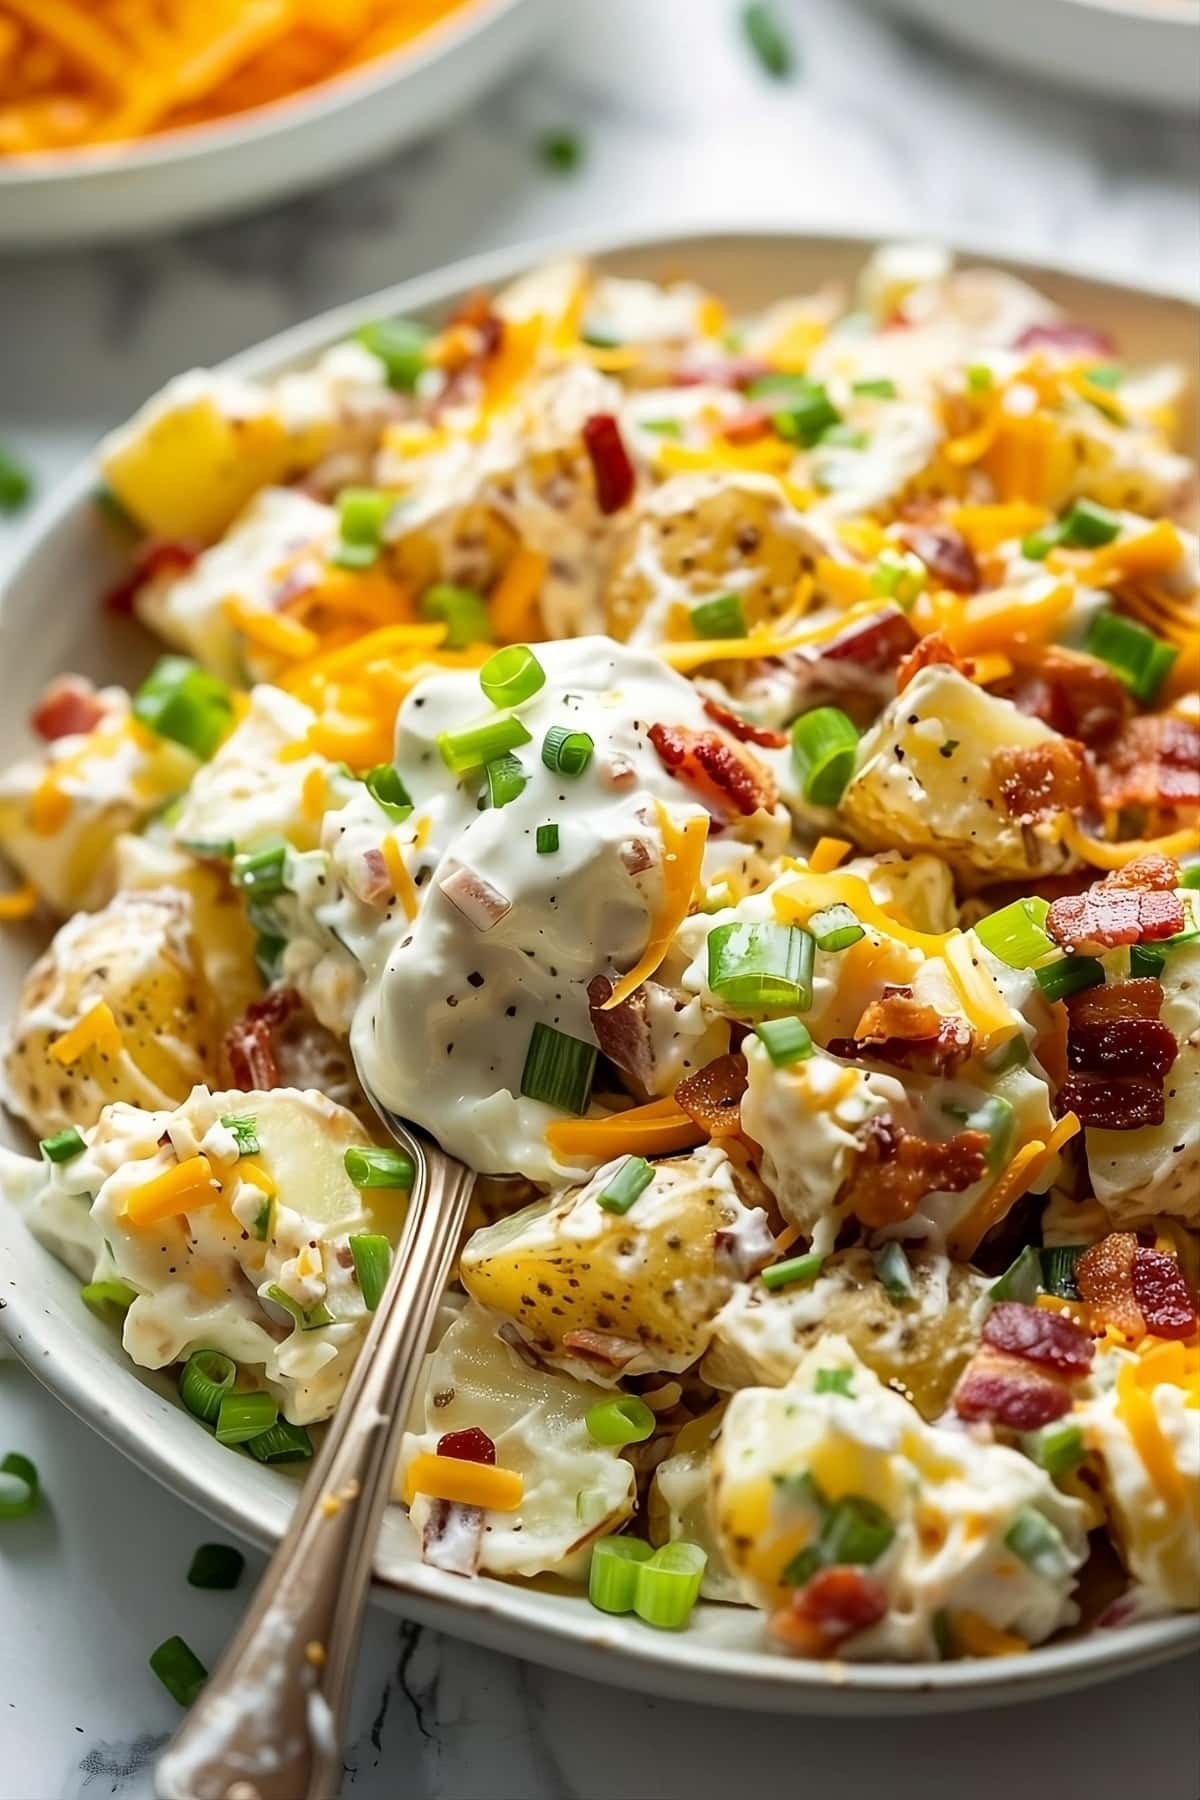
1135,1046
855,666
1076,695
1154,762
1010,1391
1104,1277
932,648
250,1044
1039,780
604,1347
611,468
874,645
1066,335
1106,917
1112,1103
154,557
752,423
742,729
906,1032
729,778
946,554
895,1169
624,1033
69,707
713,1095
1045,1338
1141,997
1152,873
833,1605
469,1445
1161,1294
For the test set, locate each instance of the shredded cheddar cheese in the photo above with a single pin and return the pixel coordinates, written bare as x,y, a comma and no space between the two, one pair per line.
466,1483
812,892
982,1002
827,853
978,1637
399,876
514,602
19,903
1028,1163
1103,855
682,860
97,1030
657,1129
187,1184
271,631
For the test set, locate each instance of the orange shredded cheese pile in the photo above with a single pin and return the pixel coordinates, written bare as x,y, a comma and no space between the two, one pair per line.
97,1030
467,1483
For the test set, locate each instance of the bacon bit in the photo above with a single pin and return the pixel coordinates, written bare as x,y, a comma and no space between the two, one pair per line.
453,1537
906,1032
368,879
1153,873
932,648
1161,1294
1010,1391
623,1033
1137,1046
611,467
468,1445
250,1044
742,729
157,556
895,1169
725,776
1155,762
1104,1277
873,645
69,707
1113,1103
713,1095
835,1604
1084,340
1076,695
946,554
604,1347
1039,780
481,904
728,372
752,423
1040,1337
1138,998
1106,917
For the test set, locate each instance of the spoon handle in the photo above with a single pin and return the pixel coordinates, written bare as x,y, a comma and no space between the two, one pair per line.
269,1722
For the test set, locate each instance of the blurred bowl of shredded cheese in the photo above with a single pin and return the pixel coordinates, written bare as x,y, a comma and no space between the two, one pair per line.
119,117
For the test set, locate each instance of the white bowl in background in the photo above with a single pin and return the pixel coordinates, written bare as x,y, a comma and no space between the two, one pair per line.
50,620
209,171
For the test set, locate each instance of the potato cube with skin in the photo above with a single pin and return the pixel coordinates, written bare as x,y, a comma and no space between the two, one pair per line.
575,1489
607,1294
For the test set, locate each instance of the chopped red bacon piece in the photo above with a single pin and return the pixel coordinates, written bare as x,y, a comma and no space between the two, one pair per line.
1104,1277
1067,336
895,1169
1155,762
1140,997
623,1033
155,557
874,645
1105,917
906,1032
932,648
1076,695
604,1347
833,1605
726,372
250,1043
1040,1337
856,666
1039,780
946,554
1152,873
752,423
713,1095
1132,1046
469,1445
726,776
1112,1103
742,729
611,468
69,707
1010,1391
1161,1294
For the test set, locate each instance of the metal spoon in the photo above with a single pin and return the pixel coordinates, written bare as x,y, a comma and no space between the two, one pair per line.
270,1721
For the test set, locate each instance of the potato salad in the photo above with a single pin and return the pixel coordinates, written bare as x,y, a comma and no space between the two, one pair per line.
736,779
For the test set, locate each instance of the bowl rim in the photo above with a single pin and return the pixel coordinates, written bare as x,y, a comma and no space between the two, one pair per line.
271,119
507,1615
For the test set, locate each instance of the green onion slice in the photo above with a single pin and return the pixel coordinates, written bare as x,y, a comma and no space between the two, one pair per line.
895,1274
388,791
462,610
244,1127
835,928
561,150
512,676
764,968
591,1505
667,1585
179,1669
362,515
824,746
1013,1054
881,386
478,744
100,1295
1189,876
1089,526
795,1270
997,1121
769,39
243,1416
900,575
281,1442
1069,975
1058,1269
181,701
631,1179
205,1379
547,839
400,345
370,1166
785,1041
372,1255
1038,1543
567,752
216,1566
1057,1448
1016,934
612,1574
308,1318
259,873
722,617
558,1069
262,1225
16,483
506,779
855,1531
19,1486
624,1421
805,410
62,1146
834,1381
1142,660
1021,1280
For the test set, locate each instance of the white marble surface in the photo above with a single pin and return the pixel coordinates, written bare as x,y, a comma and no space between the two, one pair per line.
879,129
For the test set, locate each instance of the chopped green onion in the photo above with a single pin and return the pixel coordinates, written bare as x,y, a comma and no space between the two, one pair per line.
259,873
881,386
1014,1053
769,39
268,955
179,1669
591,1505
1189,877
1021,1280
802,1567
1147,959
362,515
558,1069
895,1274
263,1223
512,676
835,928
281,1442
462,610
181,701
1105,375
567,752
1089,526
1058,1269
612,1575
16,483
372,1255
546,839
209,849
110,508
62,1146
631,1179
244,1127
834,1381
796,1269
979,378
667,1586
243,1416
480,743
400,346
661,427
506,779
368,1166
856,1531
846,437
721,617
824,746
100,1295
995,1119
764,968
1038,545
1142,661
561,150
1038,1543
624,1421
943,1637
900,575
19,1492
1057,1448
1016,934
308,1318
388,791
807,414
204,1380
216,1566
600,337
785,1041
1069,975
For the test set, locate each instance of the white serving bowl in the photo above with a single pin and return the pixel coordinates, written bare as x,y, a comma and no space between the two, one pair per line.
233,165
49,621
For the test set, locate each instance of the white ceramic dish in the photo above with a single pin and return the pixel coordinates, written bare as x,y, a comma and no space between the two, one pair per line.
1142,50
233,165
48,621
